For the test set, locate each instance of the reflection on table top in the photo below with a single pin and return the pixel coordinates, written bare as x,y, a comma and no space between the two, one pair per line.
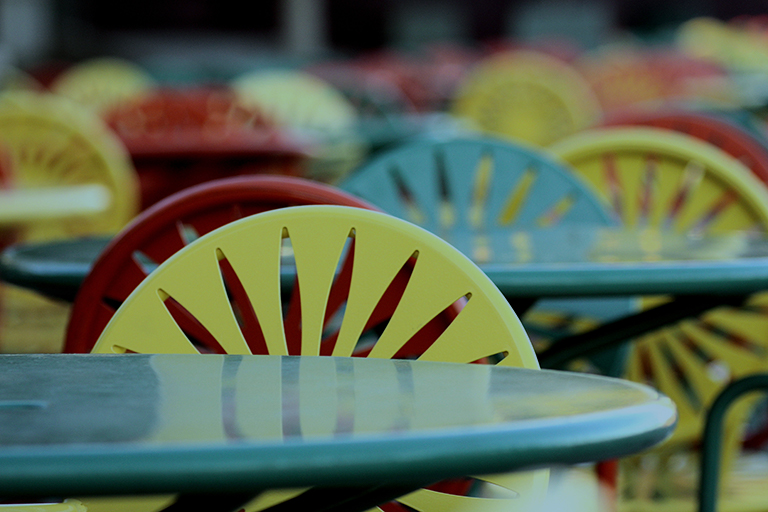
84,424
584,261
589,244
547,262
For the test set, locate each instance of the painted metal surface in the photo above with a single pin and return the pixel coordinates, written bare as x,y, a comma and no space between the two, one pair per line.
169,423
551,262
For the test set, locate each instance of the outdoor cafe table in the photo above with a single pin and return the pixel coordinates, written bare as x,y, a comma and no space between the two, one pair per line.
224,428
698,273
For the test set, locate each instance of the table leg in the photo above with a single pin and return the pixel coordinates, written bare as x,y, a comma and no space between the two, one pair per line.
569,348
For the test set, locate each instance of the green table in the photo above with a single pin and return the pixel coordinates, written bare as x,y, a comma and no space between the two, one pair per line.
584,261
55,269
231,426
577,261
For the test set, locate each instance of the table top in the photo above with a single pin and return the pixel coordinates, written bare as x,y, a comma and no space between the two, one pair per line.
583,260
55,269
110,424
550,262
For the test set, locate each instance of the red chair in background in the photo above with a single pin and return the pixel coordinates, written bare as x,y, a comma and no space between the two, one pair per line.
180,138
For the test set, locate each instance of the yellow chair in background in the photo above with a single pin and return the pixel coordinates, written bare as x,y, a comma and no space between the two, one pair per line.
526,96
70,177
102,83
655,180
314,111
54,144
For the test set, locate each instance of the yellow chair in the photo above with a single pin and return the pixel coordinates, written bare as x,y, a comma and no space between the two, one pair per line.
738,46
653,180
52,143
527,96
222,293
102,83
314,110
70,177
297,99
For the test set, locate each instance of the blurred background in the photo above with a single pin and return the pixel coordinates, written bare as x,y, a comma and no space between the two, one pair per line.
224,36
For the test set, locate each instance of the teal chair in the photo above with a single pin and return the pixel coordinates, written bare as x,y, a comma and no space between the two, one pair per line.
466,189
470,185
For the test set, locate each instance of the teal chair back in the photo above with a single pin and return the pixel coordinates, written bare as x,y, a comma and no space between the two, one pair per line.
464,188
474,184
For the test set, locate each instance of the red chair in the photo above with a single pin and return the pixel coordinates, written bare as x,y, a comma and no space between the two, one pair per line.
178,139
157,233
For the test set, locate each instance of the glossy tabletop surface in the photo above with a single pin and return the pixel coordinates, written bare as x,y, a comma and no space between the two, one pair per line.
586,261
96,424
548,262
55,268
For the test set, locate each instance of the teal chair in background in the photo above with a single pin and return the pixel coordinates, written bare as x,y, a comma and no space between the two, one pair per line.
467,189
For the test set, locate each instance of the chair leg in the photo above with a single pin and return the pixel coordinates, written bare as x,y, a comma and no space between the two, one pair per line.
568,348
608,478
